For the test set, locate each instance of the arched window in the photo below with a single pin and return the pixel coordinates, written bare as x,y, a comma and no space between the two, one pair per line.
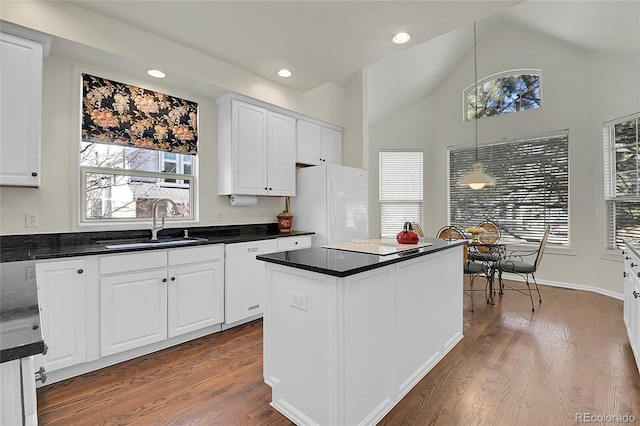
502,93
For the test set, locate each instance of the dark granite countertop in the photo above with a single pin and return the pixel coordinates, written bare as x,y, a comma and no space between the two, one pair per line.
20,331
342,263
50,246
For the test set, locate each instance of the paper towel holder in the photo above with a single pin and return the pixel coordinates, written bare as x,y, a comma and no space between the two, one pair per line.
243,200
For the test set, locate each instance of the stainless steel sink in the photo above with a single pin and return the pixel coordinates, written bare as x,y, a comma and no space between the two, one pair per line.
123,244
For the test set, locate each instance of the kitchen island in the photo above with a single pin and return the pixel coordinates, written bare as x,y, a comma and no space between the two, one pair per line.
347,334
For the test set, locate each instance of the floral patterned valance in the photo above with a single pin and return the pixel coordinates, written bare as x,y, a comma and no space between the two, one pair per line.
118,113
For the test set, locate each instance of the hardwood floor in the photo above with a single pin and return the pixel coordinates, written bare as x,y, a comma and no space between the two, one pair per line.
513,367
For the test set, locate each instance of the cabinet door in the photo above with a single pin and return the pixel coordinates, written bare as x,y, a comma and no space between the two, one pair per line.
309,143
281,144
61,293
244,279
133,311
331,146
195,297
249,145
20,102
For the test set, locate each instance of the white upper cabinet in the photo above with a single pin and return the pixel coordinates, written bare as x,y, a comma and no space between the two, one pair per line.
21,106
281,154
317,143
256,150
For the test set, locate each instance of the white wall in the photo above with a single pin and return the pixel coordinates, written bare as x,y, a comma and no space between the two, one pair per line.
123,53
580,91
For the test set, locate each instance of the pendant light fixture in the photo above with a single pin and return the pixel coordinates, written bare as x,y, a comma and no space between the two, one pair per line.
477,178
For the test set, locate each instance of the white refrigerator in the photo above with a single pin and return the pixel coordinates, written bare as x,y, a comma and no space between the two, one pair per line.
331,200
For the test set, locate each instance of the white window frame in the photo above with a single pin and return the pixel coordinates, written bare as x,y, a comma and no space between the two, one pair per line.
611,198
388,230
471,88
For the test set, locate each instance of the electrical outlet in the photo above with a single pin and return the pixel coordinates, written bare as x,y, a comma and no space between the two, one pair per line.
218,217
298,300
31,219
31,273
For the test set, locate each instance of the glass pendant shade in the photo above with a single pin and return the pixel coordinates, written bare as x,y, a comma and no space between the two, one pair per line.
477,179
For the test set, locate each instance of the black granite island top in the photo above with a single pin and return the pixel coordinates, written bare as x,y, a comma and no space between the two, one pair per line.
342,263
51,246
20,331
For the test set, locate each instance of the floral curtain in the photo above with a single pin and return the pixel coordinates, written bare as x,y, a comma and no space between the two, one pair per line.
118,113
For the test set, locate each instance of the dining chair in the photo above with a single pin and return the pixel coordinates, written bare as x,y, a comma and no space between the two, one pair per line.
514,264
473,270
470,268
491,235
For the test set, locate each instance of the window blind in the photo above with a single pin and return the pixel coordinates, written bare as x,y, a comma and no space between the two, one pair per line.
117,113
531,192
401,190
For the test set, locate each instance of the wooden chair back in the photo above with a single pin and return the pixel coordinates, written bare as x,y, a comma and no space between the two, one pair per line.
491,235
450,233
543,244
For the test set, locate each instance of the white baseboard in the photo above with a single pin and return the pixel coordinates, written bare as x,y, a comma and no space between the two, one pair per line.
572,286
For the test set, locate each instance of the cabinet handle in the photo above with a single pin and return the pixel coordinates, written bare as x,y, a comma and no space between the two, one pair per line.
252,249
638,274
270,189
41,375
254,307
164,280
627,258
633,265
624,274
636,294
265,188
46,349
80,271
173,278
34,174
296,243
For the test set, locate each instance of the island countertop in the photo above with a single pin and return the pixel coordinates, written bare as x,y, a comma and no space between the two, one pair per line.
342,263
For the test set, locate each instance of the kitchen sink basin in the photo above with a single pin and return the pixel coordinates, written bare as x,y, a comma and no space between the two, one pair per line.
145,243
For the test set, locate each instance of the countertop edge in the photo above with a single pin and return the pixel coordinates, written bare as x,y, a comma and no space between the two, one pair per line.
399,257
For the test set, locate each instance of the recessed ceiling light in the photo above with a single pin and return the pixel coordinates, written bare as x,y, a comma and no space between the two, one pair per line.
401,38
284,73
156,73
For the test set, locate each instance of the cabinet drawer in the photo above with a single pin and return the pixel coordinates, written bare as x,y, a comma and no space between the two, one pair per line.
294,243
195,254
117,263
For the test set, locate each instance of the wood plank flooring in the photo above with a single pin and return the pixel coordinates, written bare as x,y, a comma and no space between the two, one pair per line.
513,367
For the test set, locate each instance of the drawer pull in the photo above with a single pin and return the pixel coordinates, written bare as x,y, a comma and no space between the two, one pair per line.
633,265
252,249
624,274
80,271
254,307
636,294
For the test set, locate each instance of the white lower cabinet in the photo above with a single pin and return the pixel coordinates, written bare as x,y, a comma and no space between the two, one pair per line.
18,397
61,294
170,293
133,310
632,301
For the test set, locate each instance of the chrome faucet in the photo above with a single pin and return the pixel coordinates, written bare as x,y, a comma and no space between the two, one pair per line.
154,213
